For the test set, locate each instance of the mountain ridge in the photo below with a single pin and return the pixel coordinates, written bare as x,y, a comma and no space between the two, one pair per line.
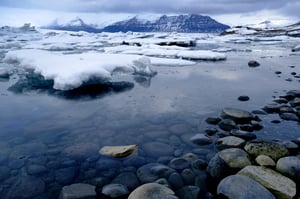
191,23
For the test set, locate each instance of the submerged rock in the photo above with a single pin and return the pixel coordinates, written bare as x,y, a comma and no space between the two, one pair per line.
227,125
152,191
242,187
281,186
118,151
237,115
201,139
115,190
78,191
153,171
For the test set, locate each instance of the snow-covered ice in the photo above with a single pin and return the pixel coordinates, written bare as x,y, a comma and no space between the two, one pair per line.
72,70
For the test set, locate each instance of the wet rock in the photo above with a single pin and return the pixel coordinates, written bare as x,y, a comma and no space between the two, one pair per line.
156,149
243,98
242,187
129,179
280,100
227,125
118,151
229,142
272,108
235,158
189,192
151,191
295,102
259,112
199,164
279,185
179,163
243,134
162,181
272,149
36,169
264,160
216,167
237,115
275,121
153,171
253,63
80,151
66,175
278,72
294,93
114,190
211,131
289,166
201,139
78,191
289,116
289,145
188,176
213,120
286,109
297,141
175,181
26,187
247,127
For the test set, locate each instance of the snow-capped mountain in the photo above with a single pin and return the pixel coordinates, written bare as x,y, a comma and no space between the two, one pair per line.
76,24
180,23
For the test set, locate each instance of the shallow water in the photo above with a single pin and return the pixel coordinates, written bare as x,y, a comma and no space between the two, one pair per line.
165,111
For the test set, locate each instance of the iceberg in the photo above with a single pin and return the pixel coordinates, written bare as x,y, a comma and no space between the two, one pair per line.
69,71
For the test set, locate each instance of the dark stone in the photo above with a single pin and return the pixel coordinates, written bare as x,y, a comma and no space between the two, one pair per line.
253,63
66,175
211,131
216,167
188,192
295,93
188,176
280,100
115,190
227,125
278,72
237,115
243,98
153,171
36,169
286,109
129,179
259,112
243,134
289,116
272,108
295,102
242,187
175,180
213,120
275,121
247,127
179,163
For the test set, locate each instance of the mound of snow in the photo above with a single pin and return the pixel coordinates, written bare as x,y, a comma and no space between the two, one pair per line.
71,70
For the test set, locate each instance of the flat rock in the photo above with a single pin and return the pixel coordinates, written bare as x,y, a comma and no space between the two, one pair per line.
118,151
289,116
289,166
229,142
237,115
242,187
227,125
152,191
243,134
114,190
78,191
201,139
281,186
235,158
272,149
264,160
129,179
153,171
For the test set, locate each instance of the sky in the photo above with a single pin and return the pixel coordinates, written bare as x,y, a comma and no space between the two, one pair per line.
231,12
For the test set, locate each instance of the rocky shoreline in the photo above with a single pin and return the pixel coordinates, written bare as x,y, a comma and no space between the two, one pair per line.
241,167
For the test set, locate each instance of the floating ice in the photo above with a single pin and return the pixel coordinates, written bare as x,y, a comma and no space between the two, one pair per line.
71,70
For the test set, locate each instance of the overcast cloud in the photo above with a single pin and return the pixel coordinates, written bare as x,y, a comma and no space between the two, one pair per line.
282,8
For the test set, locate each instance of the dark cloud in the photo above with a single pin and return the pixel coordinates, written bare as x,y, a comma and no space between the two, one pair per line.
287,7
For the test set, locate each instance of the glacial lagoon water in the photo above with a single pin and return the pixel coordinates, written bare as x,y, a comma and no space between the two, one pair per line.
159,114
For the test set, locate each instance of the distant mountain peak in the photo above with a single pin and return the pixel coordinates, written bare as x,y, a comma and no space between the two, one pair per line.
189,23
